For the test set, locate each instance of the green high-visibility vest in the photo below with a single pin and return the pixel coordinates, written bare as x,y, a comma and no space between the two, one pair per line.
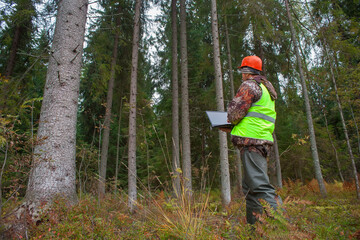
259,122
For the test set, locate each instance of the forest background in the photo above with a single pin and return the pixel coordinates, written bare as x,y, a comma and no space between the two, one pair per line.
326,36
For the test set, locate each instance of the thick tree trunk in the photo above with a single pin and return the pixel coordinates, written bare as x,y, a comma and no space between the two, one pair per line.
132,198
232,93
314,151
107,119
175,103
185,119
53,170
224,161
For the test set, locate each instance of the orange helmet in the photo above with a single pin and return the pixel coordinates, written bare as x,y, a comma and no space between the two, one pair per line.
253,62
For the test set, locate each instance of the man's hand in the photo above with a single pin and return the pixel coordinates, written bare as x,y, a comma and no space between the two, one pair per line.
228,130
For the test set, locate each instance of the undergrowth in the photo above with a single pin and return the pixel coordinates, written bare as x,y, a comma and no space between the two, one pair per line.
303,215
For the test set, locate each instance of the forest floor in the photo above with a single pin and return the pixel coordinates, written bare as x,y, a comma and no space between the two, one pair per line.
305,215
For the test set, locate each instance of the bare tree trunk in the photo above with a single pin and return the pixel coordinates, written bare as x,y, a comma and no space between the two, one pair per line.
147,153
107,120
175,103
118,148
314,151
231,73
53,170
277,162
185,119
224,161
132,198
232,93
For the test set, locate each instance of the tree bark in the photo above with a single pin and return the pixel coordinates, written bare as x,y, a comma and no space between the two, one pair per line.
118,148
53,170
277,162
175,103
185,119
231,73
314,151
107,119
224,161
132,198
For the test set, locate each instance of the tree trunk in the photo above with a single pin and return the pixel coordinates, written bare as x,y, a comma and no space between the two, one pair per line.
224,161
118,148
175,103
185,119
107,120
231,73
53,172
277,162
132,198
232,93
314,151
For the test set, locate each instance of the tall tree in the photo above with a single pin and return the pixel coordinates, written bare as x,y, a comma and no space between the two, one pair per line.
53,170
175,102
224,161
314,151
107,119
132,117
185,119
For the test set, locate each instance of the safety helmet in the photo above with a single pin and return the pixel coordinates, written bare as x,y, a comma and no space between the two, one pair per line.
252,62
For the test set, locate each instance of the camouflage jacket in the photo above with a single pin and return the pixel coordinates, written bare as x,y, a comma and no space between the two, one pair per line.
248,93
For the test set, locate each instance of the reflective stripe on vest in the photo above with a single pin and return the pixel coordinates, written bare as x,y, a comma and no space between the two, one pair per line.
259,122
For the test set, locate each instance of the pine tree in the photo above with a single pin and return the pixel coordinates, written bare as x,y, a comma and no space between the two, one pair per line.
224,162
175,102
132,117
185,121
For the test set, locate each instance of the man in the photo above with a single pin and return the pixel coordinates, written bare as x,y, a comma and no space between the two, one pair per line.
252,111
